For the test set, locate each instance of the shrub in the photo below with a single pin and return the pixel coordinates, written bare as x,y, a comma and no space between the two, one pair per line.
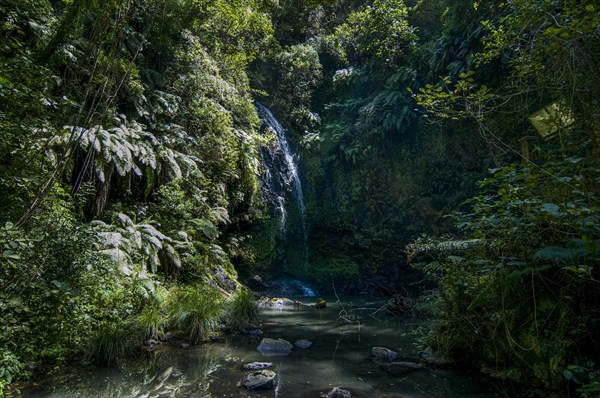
243,310
196,309
111,342
152,321
519,295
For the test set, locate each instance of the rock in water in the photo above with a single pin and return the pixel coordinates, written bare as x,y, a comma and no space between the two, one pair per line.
166,337
257,365
274,347
321,304
252,332
337,392
278,302
398,368
381,354
303,344
260,380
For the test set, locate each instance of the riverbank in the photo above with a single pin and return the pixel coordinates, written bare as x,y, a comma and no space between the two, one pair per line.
343,335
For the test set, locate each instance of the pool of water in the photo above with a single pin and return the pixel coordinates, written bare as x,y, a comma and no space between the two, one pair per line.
342,335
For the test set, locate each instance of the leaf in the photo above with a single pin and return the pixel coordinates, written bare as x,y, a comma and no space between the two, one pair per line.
205,227
220,214
125,220
560,255
568,374
551,208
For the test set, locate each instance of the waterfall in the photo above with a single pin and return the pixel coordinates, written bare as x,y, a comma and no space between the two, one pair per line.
281,176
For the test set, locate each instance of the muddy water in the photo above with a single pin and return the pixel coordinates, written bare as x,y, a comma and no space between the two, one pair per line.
342,335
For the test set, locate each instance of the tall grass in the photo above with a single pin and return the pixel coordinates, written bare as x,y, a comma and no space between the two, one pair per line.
243,310
196,309
152,321
111,342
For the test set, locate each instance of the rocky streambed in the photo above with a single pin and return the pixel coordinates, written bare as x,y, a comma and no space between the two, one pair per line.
342,350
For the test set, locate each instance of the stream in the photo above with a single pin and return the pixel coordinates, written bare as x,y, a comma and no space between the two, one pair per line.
339,357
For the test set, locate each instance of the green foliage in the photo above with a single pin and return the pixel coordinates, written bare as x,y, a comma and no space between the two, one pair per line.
132,244
519,302
196,309
524,293
153,319
379,29
337,267
111,342
128,147
63,292
585,377
462,99
10,368
299,73
243,310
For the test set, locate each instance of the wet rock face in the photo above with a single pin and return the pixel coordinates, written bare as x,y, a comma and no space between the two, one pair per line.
274,347
223,280
260,380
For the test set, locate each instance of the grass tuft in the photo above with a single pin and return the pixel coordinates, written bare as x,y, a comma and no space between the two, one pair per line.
243,310
196,309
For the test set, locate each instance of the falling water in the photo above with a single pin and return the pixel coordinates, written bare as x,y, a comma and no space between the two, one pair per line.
278,199
291,165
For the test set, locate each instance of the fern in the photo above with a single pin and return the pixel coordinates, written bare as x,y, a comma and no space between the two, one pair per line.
560,255
129,242
129,147
220,214
205,227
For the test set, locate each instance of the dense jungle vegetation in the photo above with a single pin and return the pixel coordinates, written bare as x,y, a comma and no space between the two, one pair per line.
450,150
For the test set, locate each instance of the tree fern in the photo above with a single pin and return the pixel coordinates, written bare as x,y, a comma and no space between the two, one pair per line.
137,247
129,147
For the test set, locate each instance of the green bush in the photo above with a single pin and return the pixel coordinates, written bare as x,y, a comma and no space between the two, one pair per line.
151,322
196,309
243,310
111,342
518,295
10,368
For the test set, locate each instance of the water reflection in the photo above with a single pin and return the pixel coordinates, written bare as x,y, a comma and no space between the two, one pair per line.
342,337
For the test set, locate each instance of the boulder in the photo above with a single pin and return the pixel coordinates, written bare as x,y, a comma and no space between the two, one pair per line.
274,347
337,392
303,344
260,380
257,365
382,354
271,347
